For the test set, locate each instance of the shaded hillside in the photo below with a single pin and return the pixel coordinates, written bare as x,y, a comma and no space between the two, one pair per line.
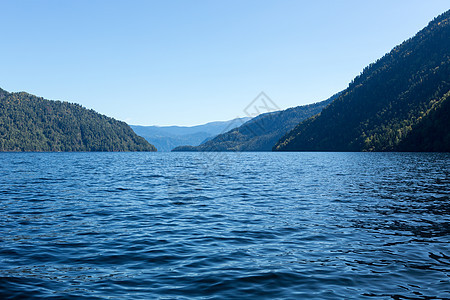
386,102
262,132
165,138
30,123
432,133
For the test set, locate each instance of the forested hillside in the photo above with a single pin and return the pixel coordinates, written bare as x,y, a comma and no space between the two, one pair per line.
432,133
30,123
397,103
262,132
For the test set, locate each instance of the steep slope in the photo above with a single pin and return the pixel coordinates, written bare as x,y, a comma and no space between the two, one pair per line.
165,138
30,123
381,107
432,133
262,132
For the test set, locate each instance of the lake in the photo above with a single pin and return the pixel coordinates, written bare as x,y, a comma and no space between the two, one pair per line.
225,225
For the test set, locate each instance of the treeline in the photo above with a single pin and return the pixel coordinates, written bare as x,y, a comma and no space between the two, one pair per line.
30,123
399,103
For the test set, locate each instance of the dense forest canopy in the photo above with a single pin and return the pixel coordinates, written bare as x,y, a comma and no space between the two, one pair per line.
30,123
394,104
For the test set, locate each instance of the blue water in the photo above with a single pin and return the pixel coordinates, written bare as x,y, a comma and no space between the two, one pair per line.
225,225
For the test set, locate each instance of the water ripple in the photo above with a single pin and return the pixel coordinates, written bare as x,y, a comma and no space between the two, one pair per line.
228,225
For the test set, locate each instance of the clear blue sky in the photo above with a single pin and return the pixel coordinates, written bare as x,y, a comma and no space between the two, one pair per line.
191,62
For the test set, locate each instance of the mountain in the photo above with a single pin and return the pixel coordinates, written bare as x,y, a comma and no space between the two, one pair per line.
30,123
398,103
165,138
262,132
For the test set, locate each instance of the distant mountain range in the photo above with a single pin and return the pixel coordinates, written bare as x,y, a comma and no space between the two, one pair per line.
260,133
398,103
30,123
165,138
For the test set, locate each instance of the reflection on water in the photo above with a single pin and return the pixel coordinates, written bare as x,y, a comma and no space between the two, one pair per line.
231,225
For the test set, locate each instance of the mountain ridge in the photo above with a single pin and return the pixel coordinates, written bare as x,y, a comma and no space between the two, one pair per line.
262,132
385,102
166,138
33,124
